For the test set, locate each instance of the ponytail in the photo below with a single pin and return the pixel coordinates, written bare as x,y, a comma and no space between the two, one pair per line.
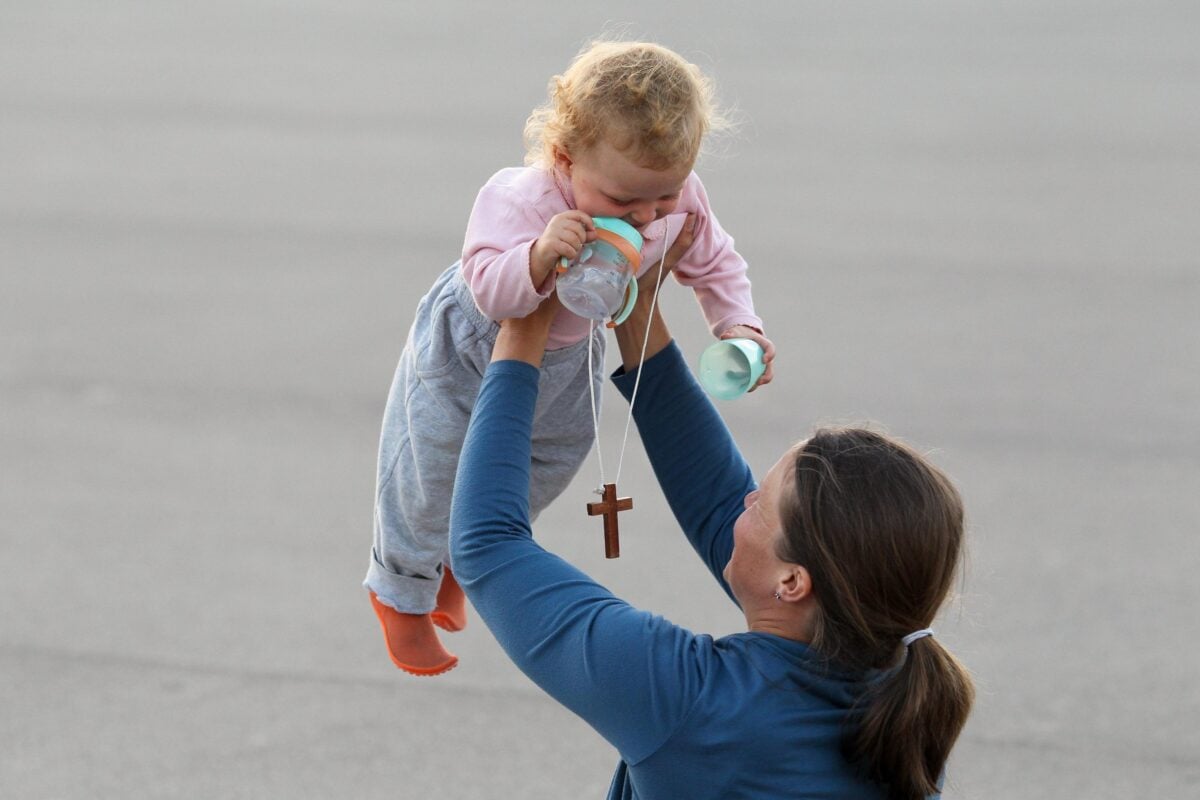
880,530
911,720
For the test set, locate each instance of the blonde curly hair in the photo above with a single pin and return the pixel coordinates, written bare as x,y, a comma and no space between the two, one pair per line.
642,98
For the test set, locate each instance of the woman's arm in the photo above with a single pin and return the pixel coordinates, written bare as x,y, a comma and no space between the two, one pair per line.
525,339
699,467
697,463
631,675
642,326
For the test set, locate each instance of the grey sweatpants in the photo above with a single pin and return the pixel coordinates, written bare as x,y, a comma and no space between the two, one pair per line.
424,424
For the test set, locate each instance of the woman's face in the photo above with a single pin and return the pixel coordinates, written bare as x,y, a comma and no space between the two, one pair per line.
754,569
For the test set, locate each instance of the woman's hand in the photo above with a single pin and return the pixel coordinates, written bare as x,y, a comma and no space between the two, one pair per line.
631,333
524,339
649,280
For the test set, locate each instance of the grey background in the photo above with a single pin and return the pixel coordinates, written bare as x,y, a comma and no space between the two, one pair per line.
973,223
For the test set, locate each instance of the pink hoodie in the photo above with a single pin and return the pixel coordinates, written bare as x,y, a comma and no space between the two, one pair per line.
511,212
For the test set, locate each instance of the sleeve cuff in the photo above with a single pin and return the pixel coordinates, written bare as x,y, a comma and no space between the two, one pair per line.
666,361
513,369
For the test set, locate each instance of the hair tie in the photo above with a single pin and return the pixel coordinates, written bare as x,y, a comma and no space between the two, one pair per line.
912,637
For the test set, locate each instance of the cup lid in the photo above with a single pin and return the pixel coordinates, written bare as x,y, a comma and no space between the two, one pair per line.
621,228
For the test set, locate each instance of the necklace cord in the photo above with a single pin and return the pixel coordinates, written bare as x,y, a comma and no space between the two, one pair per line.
592,393
636,381
645,342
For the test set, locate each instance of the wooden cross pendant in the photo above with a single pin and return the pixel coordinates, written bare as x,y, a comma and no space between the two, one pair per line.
609,507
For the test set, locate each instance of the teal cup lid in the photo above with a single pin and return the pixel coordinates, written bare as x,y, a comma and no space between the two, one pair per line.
621,228
730,367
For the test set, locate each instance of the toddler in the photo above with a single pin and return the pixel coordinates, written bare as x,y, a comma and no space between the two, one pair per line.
618,138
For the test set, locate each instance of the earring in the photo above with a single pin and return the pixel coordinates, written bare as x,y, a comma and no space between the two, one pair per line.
778,596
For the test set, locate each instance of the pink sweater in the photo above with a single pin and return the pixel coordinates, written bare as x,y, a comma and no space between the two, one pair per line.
511,212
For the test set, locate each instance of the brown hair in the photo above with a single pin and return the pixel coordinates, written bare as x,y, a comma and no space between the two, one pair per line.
644,99
880,531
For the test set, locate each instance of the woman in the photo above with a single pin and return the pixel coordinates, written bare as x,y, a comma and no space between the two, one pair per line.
839,560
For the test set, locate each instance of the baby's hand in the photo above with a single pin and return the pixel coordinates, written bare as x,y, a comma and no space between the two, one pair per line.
564,237
746,332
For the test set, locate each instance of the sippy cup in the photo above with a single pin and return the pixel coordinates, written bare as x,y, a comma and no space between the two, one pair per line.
729,368
600,283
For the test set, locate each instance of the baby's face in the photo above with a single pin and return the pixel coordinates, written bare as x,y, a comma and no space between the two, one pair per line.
606,183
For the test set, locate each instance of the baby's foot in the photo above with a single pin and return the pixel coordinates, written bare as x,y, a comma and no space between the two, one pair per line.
451,612
412,642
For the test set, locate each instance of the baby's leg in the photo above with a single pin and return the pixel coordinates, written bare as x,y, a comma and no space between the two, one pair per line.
417,465
450,614
563,429
424,425
418,457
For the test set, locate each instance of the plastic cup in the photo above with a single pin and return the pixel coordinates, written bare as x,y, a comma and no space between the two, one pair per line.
730,367
598,284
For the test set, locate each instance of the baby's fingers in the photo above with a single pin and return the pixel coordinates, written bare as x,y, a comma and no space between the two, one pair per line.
767,376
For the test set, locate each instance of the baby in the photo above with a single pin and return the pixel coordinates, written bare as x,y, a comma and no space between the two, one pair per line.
618,137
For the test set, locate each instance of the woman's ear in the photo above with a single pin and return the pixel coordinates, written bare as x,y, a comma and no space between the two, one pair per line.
796,584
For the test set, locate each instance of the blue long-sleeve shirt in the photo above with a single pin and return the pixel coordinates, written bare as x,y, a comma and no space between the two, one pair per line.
749,715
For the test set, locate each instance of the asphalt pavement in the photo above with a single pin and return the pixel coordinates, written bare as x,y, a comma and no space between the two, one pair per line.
972,224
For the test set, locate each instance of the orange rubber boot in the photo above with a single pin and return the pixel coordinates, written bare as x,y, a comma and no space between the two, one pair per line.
412,642
451,612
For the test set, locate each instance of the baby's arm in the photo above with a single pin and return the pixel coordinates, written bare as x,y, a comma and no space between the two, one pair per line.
565,235
717,274
513,242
